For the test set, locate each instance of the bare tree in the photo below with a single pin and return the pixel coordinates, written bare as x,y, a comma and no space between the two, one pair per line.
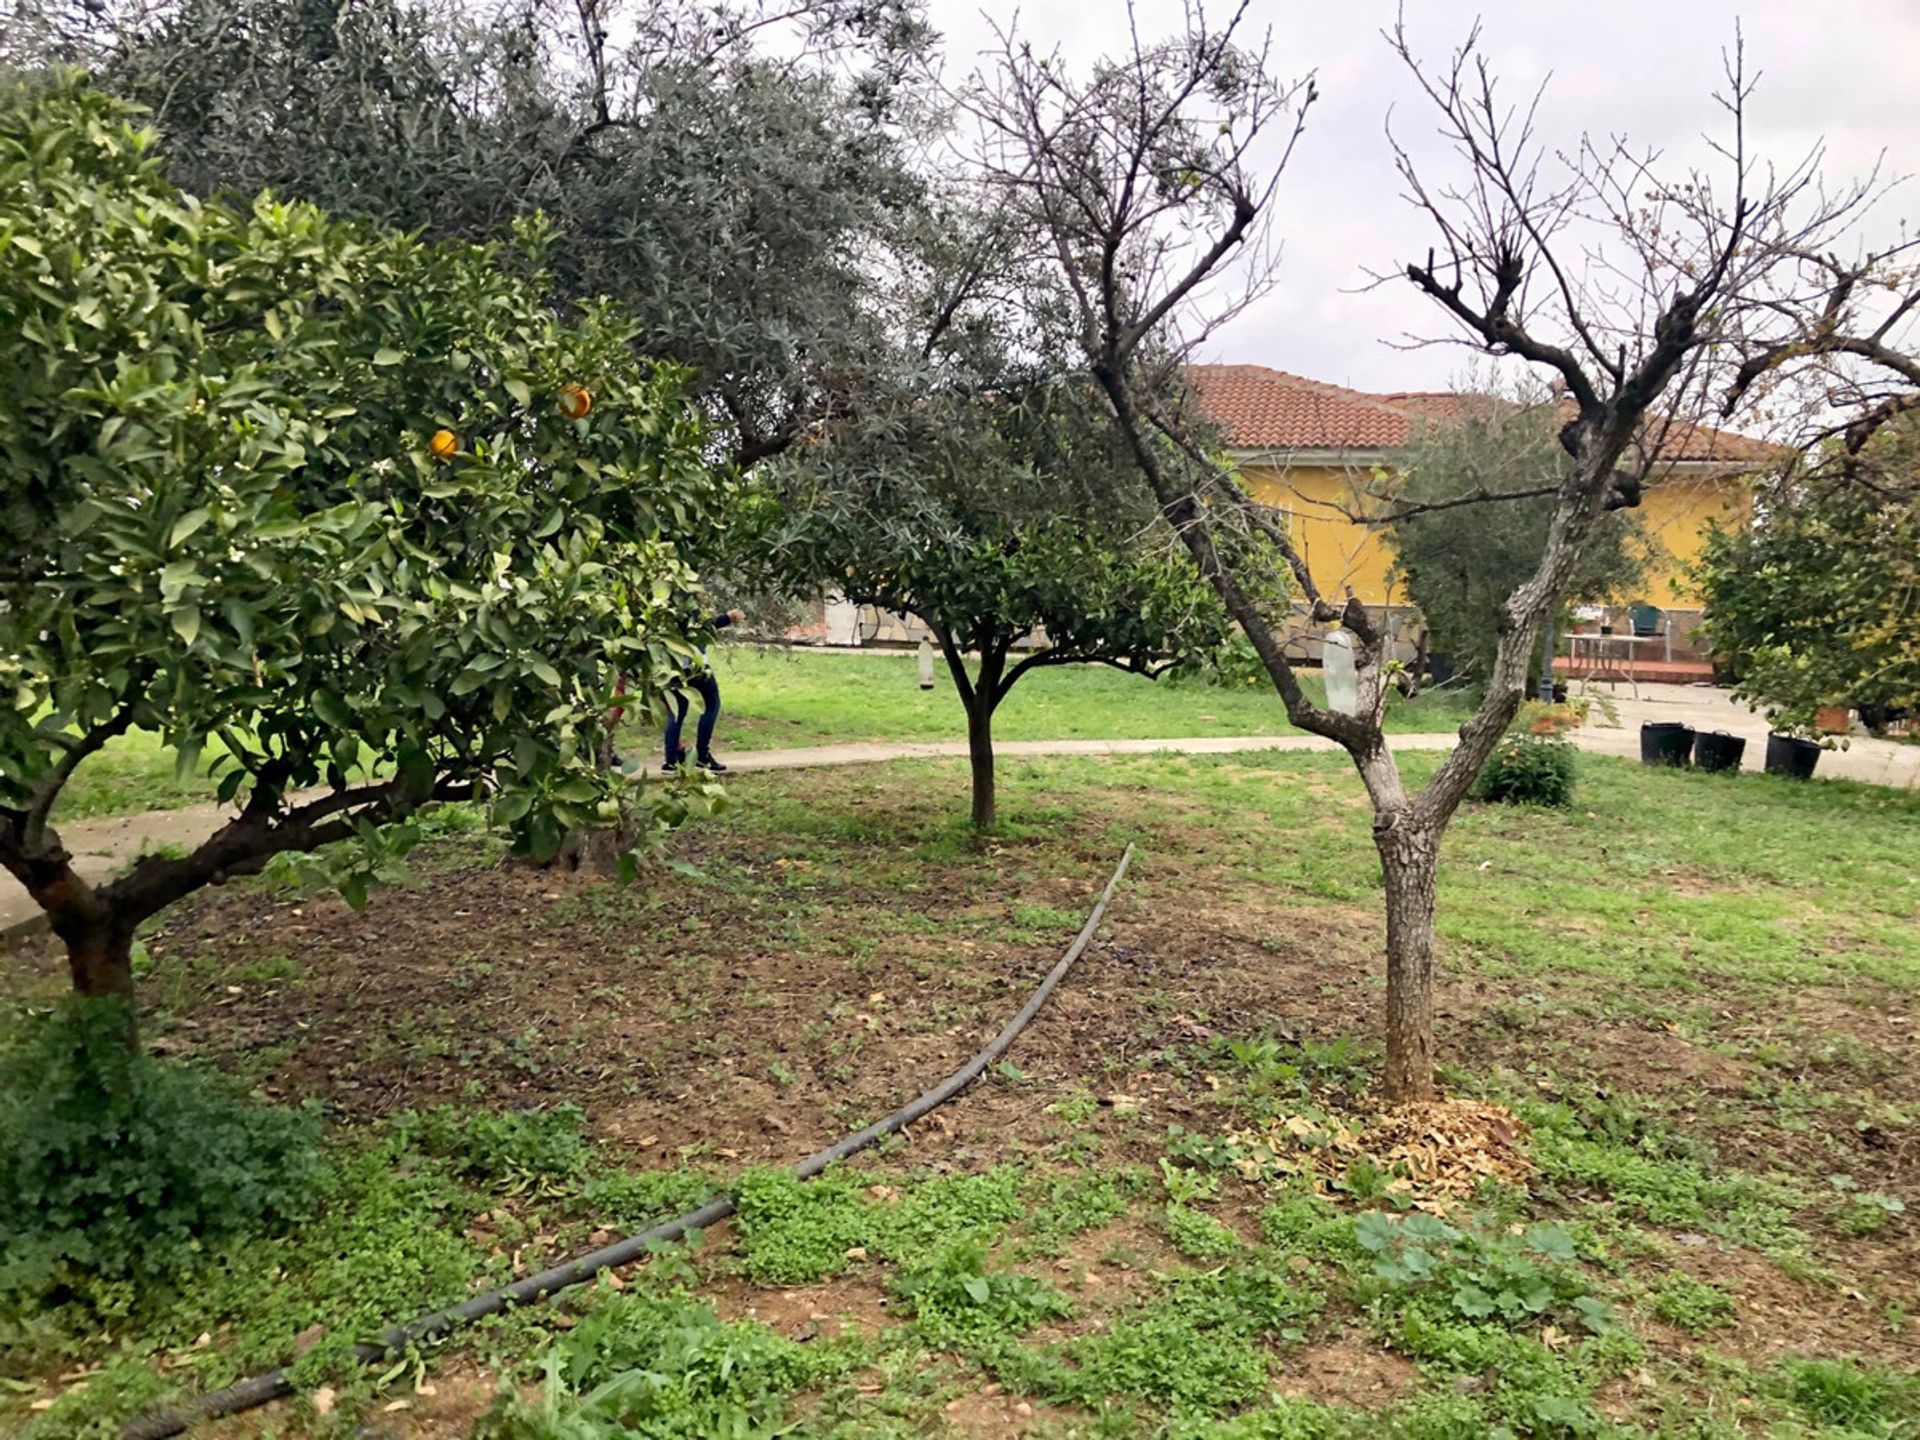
1844,338
1149,180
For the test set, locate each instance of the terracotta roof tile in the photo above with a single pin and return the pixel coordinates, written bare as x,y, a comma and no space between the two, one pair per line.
1264,409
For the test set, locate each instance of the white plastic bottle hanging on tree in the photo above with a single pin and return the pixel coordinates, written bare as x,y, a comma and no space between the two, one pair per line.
1343,681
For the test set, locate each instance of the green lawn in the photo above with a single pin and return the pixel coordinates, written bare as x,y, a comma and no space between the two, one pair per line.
778,699
1694,996
133,773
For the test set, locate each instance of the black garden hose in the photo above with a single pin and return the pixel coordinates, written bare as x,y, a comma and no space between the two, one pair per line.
534,1289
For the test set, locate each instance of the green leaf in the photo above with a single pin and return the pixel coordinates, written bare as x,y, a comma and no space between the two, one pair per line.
519,391
178,577
1551,1241
978,1289
186,623
329,707
386,355
1473,1302
188,523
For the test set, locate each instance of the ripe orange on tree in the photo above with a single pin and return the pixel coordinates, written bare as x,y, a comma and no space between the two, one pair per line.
575,401
443,444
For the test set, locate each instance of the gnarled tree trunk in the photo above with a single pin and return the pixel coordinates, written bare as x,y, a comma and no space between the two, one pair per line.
99,942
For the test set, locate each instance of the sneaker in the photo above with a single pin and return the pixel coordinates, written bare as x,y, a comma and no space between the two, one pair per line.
712,766
672,767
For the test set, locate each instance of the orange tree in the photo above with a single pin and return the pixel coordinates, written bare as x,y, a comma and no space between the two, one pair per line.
1817,602
1009,522
224,519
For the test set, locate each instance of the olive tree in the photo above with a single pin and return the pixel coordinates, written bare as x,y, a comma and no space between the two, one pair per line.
1460,560
1149,178
361,516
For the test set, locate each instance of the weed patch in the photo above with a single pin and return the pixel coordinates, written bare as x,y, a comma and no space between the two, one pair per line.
793,1233
957,1301
665,1367
1690,1304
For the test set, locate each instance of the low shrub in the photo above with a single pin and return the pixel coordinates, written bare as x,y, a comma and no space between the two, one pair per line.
1529,769
1479,1273
116,1168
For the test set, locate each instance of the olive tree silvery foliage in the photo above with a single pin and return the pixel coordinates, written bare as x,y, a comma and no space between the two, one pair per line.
729,171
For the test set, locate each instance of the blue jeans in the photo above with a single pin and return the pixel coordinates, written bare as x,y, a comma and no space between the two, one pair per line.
709,689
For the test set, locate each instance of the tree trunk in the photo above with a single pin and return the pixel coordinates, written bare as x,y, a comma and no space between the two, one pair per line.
1409,859
980,756
100,960
100,964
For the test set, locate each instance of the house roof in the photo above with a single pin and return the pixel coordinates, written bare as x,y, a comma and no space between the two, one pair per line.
1264,409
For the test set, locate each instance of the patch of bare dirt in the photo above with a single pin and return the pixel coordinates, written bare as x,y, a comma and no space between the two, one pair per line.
444,1405
1347,1370
805,1312
991,1411
1778,1314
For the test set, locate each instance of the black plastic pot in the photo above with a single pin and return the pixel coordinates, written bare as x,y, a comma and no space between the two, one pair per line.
1791,756
1716,750
1666,742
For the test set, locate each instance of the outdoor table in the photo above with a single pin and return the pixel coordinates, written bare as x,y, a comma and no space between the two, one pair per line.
1608,657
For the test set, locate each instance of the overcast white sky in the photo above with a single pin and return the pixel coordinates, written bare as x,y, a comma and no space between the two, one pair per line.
1845,70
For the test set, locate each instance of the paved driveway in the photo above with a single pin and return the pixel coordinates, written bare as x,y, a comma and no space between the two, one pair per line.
1883,762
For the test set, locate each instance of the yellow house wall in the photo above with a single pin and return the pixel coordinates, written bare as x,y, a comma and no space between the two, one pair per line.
1343,555
1340,554
1678,515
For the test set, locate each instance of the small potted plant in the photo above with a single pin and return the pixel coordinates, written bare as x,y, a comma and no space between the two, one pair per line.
1832,720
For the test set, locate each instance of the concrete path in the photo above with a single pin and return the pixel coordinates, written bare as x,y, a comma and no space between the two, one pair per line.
102,846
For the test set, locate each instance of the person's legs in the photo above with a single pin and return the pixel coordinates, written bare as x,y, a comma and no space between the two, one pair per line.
709,689
676,717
